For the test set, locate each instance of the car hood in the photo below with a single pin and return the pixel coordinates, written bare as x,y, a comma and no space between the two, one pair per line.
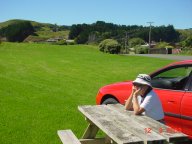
119,85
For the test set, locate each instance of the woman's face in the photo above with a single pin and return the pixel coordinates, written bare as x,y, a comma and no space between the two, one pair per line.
142,88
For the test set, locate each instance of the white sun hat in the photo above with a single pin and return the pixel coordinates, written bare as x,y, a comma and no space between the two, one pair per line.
143,79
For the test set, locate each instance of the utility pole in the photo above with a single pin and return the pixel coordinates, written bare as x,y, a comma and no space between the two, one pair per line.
150,34
126,42
127,36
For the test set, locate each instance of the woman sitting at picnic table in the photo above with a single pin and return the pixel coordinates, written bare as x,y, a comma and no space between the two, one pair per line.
144,100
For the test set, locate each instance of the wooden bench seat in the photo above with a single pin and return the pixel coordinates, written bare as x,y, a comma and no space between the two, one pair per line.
68,137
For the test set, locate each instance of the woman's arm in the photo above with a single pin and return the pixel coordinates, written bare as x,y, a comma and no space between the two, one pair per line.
136,107
128,103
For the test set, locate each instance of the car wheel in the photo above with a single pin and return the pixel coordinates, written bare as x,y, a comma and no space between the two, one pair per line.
110,101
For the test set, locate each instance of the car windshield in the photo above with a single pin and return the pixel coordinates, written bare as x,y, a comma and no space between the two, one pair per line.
177,72
172,79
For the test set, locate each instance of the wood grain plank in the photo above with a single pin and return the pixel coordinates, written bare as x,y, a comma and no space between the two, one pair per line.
138,129
90,132
107,120
161,129
67,137
129,124
93,141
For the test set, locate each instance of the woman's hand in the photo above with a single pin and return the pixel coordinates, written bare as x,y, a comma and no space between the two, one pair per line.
136,90
128,103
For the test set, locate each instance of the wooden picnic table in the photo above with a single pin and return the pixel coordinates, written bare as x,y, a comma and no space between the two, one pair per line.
123,127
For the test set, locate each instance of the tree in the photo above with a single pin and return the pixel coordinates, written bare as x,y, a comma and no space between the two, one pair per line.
110,46
117,32
136,41
184,34
187,42
82,38
162,45
141,49
165,33
17,31
55,28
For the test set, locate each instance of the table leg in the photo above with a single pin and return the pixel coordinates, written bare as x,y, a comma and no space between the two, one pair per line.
108,140
90,132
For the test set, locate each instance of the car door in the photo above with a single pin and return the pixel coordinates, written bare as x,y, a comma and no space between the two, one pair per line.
186,110
169,84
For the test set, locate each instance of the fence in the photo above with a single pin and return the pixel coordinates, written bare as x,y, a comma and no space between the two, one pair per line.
160,51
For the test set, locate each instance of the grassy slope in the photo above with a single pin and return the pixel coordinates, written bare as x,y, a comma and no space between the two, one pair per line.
6,23
43,32
42,85
50,34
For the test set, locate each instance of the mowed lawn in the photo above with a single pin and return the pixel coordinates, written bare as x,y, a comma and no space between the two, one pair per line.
41,86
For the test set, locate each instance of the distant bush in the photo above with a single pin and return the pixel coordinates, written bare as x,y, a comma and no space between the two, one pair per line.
61,42
187,42
141,50
186,51
17,32
110,46
169,46
136,41
162,45
82,38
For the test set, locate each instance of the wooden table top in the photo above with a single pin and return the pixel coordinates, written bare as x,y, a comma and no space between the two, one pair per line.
124,127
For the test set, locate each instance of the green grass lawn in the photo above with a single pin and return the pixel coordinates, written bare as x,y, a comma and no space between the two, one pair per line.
41,86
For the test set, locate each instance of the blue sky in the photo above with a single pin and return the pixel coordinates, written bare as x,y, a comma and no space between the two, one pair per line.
124,12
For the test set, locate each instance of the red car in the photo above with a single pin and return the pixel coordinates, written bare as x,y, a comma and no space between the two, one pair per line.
172,83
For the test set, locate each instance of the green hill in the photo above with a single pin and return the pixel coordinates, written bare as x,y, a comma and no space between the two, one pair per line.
6,23
36,25
42,30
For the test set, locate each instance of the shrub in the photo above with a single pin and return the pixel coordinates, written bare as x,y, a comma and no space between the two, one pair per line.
110,46
82,38
186,51
141,50
136,41
187,42
169,46
162,45
61,42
